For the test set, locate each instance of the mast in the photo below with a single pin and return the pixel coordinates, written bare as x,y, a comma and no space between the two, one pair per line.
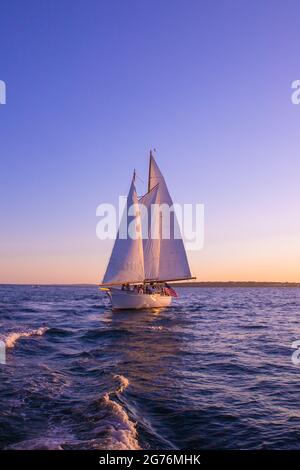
149,171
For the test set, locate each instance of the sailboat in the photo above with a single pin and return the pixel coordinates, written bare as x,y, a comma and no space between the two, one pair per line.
141,265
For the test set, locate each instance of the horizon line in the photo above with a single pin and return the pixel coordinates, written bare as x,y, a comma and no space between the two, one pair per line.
178,283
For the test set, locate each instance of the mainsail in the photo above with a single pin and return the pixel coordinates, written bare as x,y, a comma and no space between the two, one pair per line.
126,263
172,261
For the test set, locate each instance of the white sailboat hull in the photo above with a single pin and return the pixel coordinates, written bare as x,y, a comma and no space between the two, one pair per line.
130,300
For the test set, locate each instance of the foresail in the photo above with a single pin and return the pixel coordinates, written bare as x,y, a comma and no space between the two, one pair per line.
173,263
126,263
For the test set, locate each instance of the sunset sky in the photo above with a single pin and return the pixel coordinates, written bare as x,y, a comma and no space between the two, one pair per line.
93,85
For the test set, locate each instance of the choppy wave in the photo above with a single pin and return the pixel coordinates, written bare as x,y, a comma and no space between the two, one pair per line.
12,338
123,433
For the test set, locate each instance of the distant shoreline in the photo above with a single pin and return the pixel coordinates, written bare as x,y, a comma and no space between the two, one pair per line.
184,284
236,284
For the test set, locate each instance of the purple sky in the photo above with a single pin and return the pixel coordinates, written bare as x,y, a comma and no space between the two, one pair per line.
93,85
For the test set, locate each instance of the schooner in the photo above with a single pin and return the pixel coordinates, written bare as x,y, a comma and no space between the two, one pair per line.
142,262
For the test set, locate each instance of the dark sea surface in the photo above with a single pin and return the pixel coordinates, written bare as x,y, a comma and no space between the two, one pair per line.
213,371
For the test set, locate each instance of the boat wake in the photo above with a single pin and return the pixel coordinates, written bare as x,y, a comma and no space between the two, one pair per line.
123,432
112,429
12,338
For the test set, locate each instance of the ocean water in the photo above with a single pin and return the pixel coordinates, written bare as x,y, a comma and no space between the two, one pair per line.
214,371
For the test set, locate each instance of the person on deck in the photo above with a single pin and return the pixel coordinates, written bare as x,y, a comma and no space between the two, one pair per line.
148,289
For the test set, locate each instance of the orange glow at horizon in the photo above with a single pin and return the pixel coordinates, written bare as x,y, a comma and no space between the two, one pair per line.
272,259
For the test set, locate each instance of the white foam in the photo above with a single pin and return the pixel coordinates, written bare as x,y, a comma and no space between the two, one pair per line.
124,382
12,338
123,433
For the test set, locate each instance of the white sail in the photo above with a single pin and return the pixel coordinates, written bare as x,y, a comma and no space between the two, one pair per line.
150,233
146,253
126,263
173,263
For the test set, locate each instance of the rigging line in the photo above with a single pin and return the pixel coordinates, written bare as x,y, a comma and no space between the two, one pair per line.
138,177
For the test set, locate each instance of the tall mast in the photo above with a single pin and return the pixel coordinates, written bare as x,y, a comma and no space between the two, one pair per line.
149,173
